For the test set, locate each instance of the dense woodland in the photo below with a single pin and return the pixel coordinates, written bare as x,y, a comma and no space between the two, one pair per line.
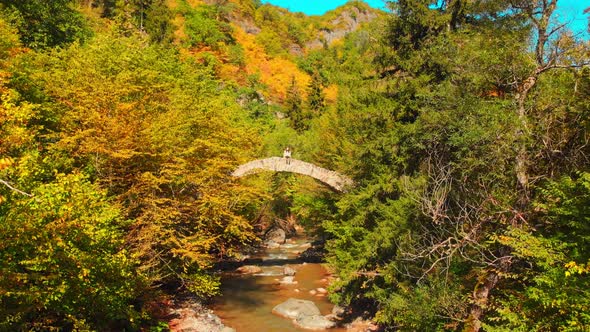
464,124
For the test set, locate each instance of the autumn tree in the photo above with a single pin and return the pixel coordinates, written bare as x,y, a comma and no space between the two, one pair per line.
46,23
160,137
63,259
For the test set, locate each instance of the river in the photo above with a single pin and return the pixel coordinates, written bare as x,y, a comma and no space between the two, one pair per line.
247,301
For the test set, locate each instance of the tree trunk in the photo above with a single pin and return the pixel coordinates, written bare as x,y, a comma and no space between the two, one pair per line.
481,293
541,23
480,299
522,161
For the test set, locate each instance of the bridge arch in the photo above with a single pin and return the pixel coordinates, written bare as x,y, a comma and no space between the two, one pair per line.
276,164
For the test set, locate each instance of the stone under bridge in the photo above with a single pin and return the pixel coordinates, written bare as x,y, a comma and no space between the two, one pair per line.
276,164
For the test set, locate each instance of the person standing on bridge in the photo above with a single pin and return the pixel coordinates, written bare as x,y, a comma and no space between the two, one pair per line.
287,155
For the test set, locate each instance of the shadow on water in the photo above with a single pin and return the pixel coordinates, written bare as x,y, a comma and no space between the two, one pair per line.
243,290
232,265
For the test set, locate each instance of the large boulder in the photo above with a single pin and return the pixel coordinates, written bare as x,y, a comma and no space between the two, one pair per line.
315,253
294,308
315,322
275,235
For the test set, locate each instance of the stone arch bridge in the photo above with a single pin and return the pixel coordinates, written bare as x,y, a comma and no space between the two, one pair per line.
276,164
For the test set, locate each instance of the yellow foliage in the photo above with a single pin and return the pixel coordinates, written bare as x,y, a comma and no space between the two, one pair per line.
5,163
337,42
164,143
172,4
194,3
575,268
276,73
179,33
14,121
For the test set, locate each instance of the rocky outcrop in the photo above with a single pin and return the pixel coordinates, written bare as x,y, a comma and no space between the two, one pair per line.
348,21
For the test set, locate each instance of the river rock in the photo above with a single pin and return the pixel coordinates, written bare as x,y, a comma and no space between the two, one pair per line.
275,235
338,311
322,290
314,254
294,308
289,271
288,280
249,269
360,324
315,322
193,317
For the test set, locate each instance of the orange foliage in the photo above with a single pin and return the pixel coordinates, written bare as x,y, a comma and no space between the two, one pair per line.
331,93
276,73
172,4
231,72
496,93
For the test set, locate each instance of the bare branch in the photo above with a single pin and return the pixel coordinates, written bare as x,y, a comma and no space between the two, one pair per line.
14,189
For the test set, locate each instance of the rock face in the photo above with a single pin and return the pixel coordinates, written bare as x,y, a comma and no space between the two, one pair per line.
315,322
295,308
249,269
347,22
275,235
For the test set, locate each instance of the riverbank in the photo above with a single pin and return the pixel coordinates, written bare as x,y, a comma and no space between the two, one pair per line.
189,315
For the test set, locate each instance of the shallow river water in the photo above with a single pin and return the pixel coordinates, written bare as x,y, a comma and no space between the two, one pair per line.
247,300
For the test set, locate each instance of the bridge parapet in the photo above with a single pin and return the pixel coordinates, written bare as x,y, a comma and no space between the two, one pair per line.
276,164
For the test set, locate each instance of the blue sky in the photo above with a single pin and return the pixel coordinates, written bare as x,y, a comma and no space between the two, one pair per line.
568,10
